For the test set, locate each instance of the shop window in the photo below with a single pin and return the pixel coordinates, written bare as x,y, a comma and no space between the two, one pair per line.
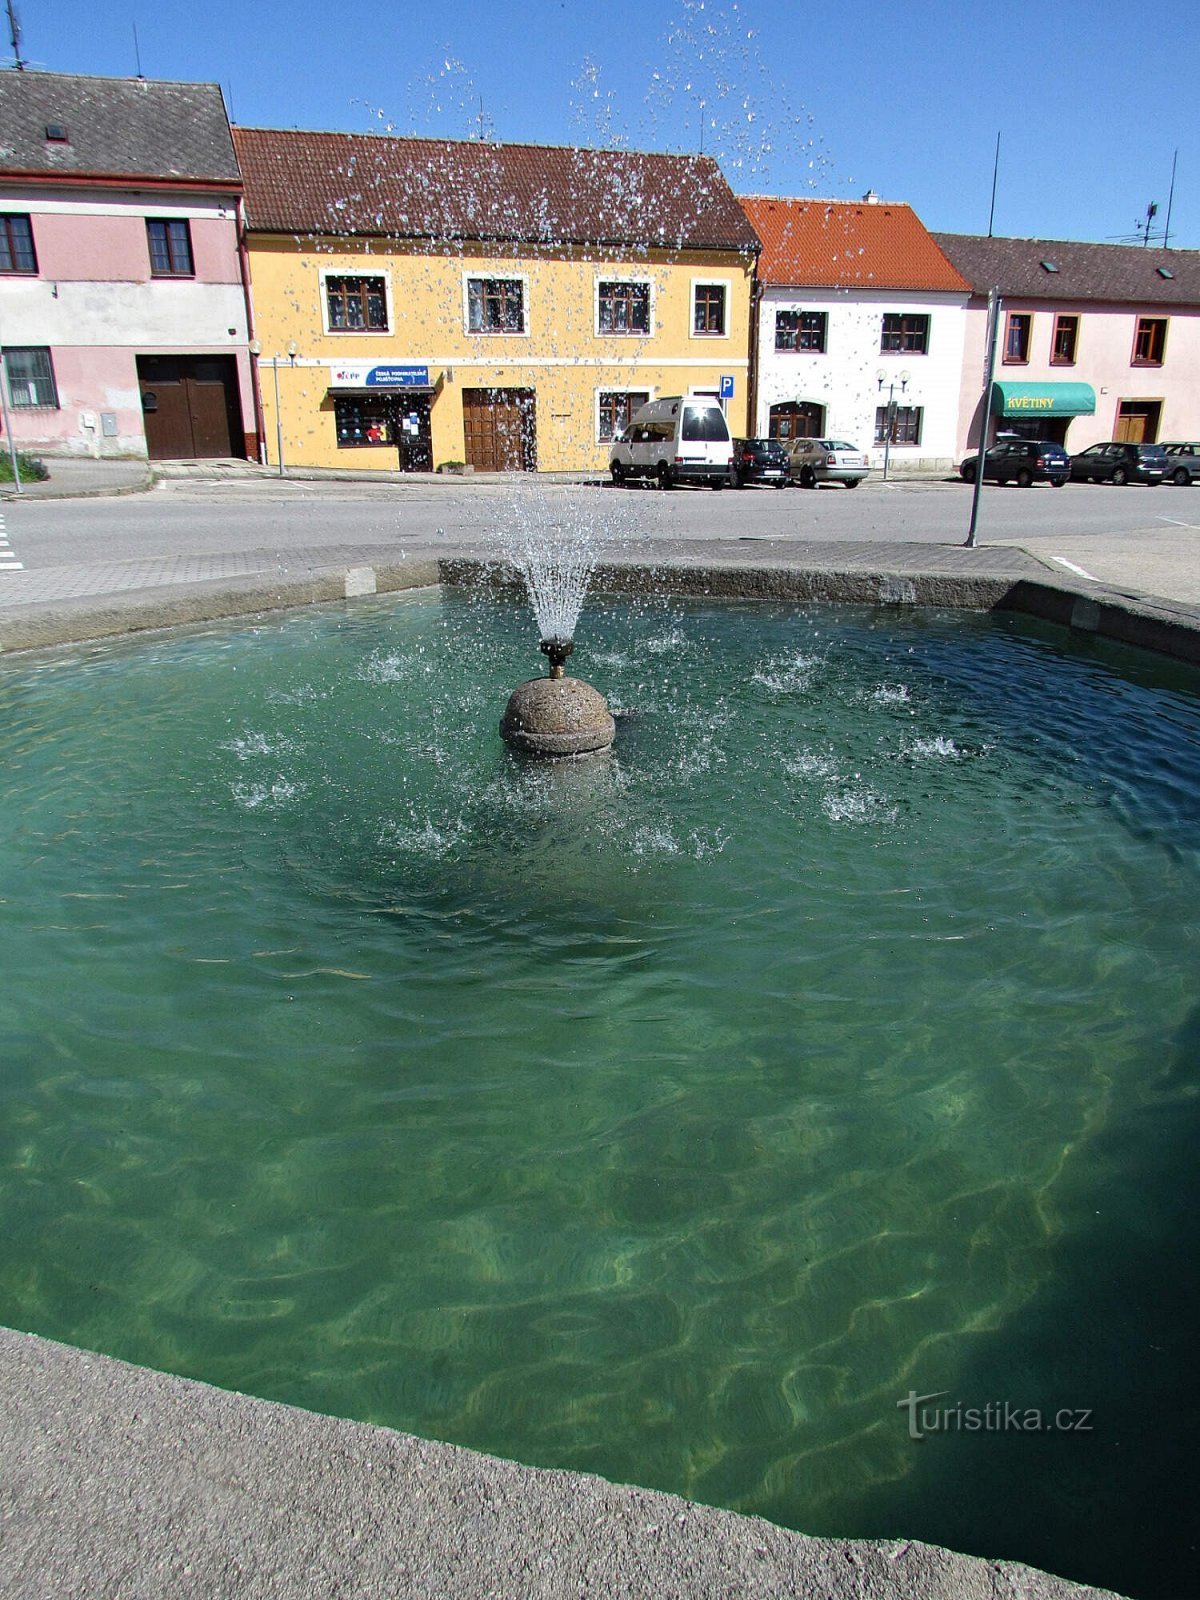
906,424
801,330
170,248
1017,334
624,307
356,305
905,332
496,305
1150,342
16,245
30,375
1065,342
616,408
362,422
708,308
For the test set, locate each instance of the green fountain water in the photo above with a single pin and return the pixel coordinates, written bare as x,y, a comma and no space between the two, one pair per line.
671,1115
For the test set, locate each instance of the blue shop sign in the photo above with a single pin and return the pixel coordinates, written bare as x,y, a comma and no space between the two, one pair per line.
398,378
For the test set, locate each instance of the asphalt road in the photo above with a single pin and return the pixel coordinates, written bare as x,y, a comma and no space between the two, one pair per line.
1132,537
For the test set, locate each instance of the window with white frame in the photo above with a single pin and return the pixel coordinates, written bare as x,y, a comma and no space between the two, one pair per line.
710,308
29,372
614,409
496,305
354,303
623,305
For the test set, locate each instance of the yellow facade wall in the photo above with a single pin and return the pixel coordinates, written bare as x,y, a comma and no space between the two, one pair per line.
562,356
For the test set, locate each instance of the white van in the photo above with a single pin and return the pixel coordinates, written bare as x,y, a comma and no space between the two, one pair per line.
678,439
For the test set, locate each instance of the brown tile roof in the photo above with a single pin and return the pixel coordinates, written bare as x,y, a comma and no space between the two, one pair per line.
116,128
1120,272
837,244
439,190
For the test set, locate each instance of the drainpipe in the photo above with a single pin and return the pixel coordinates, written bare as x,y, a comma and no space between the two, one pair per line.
256,392
756,294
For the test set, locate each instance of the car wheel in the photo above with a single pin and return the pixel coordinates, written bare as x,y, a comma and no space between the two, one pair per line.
853,483
1181,475
663,476
718,483
618,474
1119,476
1024,478
967,472
781,483
1057,483
808,478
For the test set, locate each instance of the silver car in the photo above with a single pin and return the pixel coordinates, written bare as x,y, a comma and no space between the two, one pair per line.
814,461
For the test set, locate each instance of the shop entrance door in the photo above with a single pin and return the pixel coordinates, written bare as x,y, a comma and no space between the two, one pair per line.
411,433
797,419
1137,421
500,429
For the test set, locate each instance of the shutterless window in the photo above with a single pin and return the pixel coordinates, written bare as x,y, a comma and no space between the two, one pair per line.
617,406
362,422
1065,341
708,313
356,304
906,425
624,308
495,305
170,249
1150,342
905,332
1016,336
30,375
800,330
16,245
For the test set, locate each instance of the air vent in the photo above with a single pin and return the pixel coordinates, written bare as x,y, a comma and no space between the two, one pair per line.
1164,272
56,133
1050,266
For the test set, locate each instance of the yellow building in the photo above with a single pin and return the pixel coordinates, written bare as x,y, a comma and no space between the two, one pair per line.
421,302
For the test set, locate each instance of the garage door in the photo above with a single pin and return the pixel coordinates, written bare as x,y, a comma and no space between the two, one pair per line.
191,406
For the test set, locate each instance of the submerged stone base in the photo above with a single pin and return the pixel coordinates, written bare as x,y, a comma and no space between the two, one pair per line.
557,717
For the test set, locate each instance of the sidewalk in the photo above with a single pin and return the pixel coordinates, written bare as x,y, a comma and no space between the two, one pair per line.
75,476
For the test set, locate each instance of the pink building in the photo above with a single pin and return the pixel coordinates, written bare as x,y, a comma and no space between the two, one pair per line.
1094,341
124,307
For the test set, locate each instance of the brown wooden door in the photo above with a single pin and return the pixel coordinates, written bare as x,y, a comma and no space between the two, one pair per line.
797,419
500,429
191,406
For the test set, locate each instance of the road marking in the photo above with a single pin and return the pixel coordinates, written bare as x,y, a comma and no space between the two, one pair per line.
1176,524
8,561
1071,567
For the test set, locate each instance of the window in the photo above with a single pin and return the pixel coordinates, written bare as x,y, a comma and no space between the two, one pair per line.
30,377
800,330
616,407
906,425
1017,333
708,308
363,421
905,332
356,305
1150,342
170,249
16,245
496,305
1064,342
624,307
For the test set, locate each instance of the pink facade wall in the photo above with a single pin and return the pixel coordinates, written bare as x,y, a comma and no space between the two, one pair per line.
1104,359
78,248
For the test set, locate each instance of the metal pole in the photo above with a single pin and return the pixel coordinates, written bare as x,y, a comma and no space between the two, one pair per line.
889,422
990,368
278,414
12,443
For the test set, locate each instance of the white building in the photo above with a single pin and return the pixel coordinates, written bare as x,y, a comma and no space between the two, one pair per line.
858,330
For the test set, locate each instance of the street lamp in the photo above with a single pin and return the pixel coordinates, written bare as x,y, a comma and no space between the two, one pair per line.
291,355
882,377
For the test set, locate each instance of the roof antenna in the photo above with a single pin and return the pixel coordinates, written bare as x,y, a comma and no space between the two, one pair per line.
14,29
137,54
1170,200
1143,228
995,175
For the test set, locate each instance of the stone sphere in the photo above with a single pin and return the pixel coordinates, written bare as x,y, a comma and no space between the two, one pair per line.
557,717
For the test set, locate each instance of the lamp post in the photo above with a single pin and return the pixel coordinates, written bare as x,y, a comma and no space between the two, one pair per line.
12,443
291,355
882,377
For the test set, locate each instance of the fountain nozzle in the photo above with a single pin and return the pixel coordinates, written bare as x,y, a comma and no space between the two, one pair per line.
557,650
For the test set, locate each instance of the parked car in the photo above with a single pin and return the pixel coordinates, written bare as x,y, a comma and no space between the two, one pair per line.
1021,461
760,461
814,461
1120,463
1183,460
676,439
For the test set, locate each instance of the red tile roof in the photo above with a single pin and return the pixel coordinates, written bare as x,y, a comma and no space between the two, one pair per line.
837,244
439,191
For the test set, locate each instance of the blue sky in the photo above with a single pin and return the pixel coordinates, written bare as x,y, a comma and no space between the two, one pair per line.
1090,100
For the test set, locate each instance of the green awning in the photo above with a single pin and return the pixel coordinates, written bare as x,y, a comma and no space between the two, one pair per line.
1043,400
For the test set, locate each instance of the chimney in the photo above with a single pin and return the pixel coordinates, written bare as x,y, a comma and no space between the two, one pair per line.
870,198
